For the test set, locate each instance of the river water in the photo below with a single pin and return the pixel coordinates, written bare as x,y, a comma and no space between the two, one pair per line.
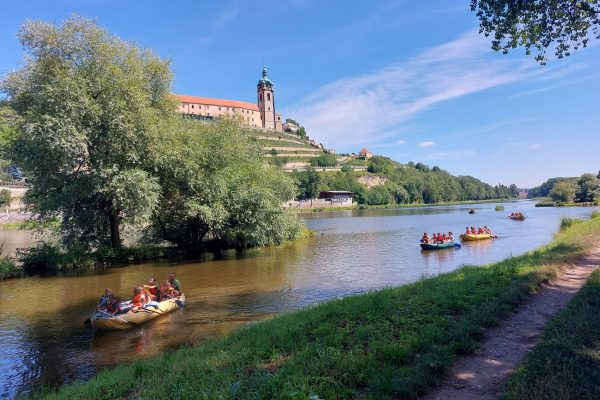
43,339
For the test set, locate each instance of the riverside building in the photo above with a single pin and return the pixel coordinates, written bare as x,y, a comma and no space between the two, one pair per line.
261,115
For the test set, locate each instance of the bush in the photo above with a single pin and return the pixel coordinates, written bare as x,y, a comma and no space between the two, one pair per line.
595,214
48,257
5,198
499,208
8,269
325,160
346,168
567,222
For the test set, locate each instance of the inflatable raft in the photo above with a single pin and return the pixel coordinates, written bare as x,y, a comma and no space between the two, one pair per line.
437,246
471,238
105,321
517,217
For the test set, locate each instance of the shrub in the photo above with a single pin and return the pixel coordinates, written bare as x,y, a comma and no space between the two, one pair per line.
567,222
8,269
499,208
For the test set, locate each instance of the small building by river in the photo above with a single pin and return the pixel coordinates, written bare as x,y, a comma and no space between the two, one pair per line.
337,198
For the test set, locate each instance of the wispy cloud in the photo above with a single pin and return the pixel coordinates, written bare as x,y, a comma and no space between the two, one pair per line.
368,108
427,144
220,21
401,141
536,146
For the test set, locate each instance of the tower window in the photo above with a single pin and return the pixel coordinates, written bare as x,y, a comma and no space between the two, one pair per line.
269,96
268,108
260,96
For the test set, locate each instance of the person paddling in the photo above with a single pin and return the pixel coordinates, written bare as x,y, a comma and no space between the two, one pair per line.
103,302
174,282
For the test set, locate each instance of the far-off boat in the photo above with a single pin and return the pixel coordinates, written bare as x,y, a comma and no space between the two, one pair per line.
517,217
104,321
438,246
467,237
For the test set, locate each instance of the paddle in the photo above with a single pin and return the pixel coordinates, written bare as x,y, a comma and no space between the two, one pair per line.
457,245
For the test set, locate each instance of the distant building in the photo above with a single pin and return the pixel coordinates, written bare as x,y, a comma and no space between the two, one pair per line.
290,127
259,115
337,198
365,153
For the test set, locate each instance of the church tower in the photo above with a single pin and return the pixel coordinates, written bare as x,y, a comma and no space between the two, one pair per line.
266,101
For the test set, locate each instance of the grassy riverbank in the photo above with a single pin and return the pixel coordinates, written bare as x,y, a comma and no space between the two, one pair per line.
392,343
565,364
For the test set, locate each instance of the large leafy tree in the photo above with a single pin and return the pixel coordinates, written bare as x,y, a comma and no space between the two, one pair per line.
216,187
539,25
89,104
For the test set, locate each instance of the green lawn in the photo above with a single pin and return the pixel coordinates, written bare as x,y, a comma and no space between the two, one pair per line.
391,343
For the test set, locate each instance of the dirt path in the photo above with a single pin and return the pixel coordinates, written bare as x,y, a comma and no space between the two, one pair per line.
481,375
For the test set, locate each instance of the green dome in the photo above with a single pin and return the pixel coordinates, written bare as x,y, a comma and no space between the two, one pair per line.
265,79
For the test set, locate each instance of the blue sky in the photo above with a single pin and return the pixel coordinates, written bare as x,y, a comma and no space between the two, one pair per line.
410,80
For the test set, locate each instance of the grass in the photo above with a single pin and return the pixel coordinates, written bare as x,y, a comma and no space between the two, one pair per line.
391,343
565,364
499,208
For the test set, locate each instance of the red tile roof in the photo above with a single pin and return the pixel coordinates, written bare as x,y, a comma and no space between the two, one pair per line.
217,102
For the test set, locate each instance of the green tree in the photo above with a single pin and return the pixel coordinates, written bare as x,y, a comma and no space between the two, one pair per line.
5,198
308,183
380,165
564,191
589,188
89,104
379,195
563,25
324,160
215,188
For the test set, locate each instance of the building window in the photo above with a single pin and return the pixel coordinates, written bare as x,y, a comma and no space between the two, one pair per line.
219,108
260,97
269,96
269,108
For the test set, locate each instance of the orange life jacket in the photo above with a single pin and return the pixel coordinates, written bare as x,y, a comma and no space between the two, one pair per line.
139,299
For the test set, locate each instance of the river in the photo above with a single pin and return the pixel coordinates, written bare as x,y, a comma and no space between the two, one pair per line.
43,340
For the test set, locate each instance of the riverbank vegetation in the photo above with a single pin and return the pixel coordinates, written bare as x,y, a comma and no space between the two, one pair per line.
584,190
403,184
564,363
106,154
391,343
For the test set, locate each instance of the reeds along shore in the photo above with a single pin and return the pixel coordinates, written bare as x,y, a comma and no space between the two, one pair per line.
391,343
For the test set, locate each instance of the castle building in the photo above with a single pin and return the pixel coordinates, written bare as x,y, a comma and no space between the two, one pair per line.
261,115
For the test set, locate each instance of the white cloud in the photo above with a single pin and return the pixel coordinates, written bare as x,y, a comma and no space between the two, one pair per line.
367,108
401,141
427,144
535,146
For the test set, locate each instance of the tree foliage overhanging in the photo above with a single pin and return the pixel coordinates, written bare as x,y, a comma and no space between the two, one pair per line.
104,149
539,25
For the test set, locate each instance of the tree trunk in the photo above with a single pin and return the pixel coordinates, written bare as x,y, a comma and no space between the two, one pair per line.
115,235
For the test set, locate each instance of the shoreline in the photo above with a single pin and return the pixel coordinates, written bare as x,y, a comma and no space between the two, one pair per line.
396,342
397,206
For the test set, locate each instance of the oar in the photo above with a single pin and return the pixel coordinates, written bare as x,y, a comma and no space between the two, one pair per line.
457,245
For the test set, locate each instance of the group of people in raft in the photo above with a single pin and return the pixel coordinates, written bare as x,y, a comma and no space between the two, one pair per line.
478,231
143,296
516,215
437,238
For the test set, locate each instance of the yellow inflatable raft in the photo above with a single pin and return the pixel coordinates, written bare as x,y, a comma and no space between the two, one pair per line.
104,321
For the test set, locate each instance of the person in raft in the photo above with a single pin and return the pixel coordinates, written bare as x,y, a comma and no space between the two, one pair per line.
154,288
425,238
174,282
167,291
450,237
103,302
487,230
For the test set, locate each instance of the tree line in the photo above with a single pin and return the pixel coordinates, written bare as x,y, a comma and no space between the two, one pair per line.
405,184
96,132
583,189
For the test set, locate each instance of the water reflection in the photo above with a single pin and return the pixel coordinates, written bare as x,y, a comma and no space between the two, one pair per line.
43,339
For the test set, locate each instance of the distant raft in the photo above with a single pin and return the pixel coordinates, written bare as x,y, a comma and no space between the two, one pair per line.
467,237
108,322
517,217
437,246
